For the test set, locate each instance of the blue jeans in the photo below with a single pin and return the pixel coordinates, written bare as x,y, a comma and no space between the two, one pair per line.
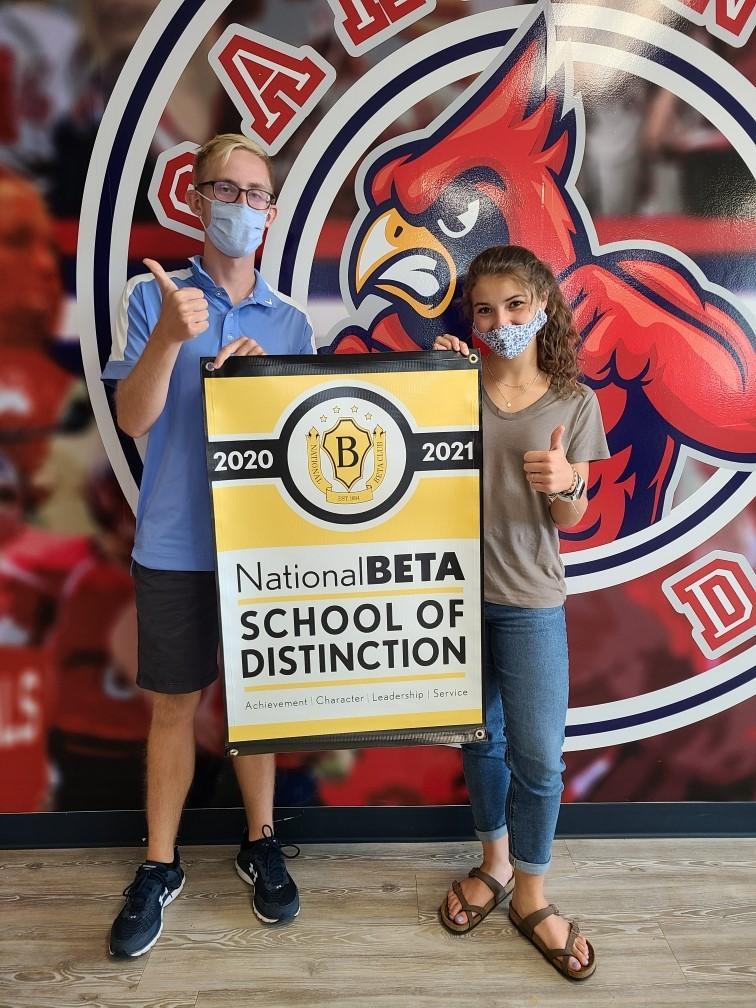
515,779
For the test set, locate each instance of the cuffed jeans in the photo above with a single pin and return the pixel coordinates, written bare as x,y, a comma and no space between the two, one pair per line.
515,779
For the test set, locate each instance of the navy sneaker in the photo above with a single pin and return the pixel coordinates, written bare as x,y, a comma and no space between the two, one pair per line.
261,863
137,927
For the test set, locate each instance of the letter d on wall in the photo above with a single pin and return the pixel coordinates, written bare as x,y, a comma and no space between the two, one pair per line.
718,596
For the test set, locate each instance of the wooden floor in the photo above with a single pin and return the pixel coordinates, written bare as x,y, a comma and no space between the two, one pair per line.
673,922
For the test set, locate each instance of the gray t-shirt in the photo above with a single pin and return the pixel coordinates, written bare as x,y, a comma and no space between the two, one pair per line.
522,565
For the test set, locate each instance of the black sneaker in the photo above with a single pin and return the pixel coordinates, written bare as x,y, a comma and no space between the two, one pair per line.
137,927
261,864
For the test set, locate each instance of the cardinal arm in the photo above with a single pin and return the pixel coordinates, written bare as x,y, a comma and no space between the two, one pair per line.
645,324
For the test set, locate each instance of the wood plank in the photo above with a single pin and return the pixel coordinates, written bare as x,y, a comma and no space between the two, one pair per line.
663,848
407,963
41,997
369,939
426,854
714,952
350,905
46,915
315,994
707,860
71,965
69,978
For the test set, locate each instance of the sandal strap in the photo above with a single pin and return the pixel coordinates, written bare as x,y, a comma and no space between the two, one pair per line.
499,891
559,953
531,922
569,948
574,932
469,908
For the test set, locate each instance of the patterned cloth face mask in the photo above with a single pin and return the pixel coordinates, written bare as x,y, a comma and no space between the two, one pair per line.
510,340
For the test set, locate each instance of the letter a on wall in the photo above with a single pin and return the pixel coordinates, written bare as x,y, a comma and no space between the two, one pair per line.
347,513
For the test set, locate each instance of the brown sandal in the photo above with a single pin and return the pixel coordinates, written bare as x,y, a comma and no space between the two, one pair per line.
559,958
475,914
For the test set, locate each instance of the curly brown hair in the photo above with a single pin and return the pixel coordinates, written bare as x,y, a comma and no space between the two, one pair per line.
558,341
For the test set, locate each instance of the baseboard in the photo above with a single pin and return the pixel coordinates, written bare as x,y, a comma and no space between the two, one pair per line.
382,824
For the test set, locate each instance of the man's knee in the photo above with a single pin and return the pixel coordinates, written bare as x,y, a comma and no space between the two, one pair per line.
174,709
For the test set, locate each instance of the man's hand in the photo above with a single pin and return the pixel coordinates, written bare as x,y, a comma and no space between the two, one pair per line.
184,313
244,346
549,471
447,342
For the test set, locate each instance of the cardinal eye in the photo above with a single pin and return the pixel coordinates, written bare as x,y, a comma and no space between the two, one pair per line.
467,221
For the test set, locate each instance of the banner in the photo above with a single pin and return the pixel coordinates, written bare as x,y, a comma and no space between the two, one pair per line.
347,516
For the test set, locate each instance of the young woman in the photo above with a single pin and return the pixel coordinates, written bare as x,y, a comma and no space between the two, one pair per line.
541,428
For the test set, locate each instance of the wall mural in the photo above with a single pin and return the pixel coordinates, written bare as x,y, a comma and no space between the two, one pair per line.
616,141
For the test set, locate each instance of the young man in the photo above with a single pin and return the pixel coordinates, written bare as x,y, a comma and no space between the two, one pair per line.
219,306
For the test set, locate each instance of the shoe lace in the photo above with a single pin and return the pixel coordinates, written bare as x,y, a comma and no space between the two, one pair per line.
147,882
272,855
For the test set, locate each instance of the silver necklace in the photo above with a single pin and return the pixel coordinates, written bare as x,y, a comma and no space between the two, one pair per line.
502,385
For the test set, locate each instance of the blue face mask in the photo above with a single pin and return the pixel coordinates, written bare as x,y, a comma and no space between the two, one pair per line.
235,229
510,340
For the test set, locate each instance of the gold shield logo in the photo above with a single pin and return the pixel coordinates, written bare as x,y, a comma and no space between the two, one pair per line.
347,446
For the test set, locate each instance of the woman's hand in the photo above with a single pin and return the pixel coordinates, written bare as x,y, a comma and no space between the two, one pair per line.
447,342
549,471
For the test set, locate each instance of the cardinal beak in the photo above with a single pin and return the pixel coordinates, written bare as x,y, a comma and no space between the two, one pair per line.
408,262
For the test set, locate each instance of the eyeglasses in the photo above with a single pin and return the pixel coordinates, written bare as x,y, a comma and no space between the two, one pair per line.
228,192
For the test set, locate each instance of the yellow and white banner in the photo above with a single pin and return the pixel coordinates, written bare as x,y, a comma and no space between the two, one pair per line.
347,514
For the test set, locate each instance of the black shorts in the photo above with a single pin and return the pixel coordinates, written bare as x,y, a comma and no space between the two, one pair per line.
177,615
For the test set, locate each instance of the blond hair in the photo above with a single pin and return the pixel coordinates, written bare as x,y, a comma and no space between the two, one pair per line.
221,147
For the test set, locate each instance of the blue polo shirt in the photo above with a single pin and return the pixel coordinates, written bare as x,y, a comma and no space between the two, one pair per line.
174,530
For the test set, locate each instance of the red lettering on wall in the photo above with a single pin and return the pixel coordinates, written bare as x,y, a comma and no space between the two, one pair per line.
717,594
699,6
363,24
733,15
732,20
274,86
168,187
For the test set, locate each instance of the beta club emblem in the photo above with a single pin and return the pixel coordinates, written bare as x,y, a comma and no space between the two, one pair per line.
338,444
347,446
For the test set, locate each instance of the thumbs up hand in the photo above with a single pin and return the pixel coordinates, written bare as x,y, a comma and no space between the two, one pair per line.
549,471
184,313
556,439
